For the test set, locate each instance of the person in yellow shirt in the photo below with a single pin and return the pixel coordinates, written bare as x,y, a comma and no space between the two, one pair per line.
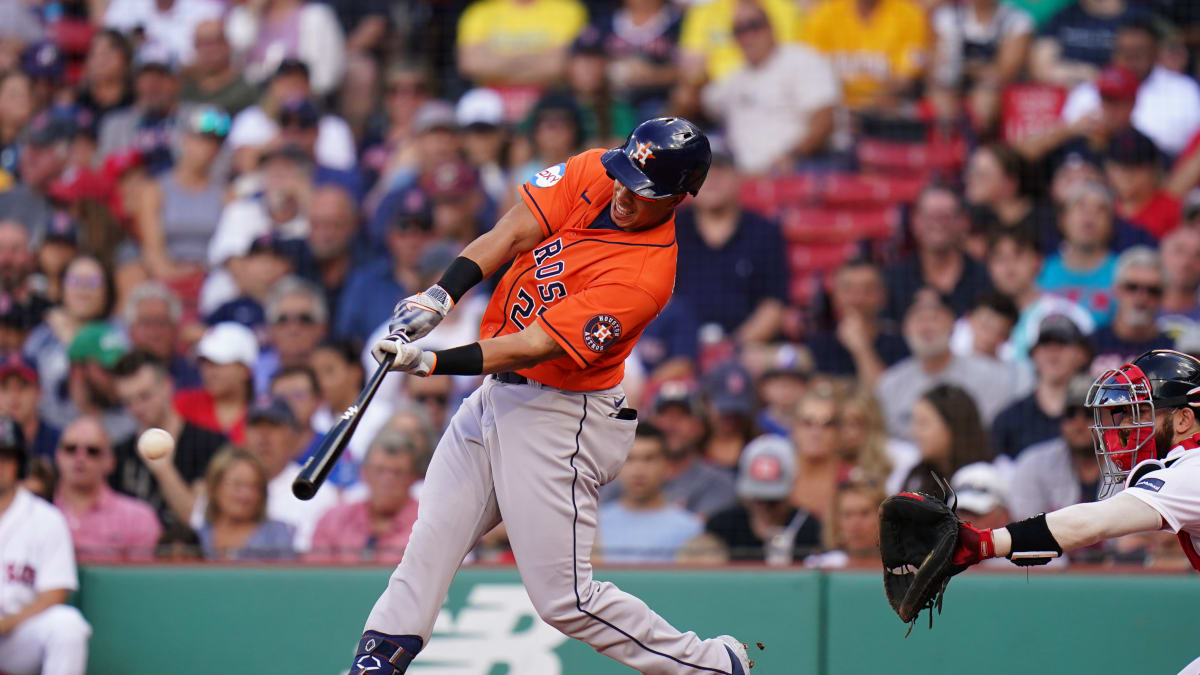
517,45
708,50
878,47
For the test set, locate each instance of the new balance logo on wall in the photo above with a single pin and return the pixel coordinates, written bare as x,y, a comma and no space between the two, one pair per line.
498,626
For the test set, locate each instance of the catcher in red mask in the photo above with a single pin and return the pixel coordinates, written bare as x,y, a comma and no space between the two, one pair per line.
1146,434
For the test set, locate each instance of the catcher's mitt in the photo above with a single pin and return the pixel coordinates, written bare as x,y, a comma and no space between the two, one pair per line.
918,539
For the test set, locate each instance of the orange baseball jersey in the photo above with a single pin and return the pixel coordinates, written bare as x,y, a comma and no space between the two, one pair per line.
591,285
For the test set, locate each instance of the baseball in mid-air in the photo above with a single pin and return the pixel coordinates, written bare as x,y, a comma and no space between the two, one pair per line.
155,443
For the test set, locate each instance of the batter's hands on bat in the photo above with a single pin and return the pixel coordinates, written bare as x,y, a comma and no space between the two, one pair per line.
409,357
418,314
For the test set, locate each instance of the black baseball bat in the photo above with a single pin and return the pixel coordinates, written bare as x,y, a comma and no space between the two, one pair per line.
317,468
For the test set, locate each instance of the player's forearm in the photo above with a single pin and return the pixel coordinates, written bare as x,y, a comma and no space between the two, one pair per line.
44,600
1086,524
518,351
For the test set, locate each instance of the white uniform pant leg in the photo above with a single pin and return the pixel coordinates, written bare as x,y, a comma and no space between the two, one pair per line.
51,642
457,506
1192,668
549,457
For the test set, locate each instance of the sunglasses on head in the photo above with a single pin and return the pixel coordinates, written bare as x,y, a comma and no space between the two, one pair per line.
302,318
1148,289
93,451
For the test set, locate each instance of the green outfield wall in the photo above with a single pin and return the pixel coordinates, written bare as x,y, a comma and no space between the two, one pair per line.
208,620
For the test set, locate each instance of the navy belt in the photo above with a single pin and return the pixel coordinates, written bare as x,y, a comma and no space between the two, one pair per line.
510,377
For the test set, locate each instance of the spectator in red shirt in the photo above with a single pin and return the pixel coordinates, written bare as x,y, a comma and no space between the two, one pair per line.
1133,166
377,528
104,525
227,355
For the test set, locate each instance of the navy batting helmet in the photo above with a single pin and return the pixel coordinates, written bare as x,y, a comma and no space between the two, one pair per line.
663,157
12,444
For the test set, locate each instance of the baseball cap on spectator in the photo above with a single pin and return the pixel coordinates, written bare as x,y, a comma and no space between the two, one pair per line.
14,314
1132,148
413,211
15,363
155,56
228,342
683,393
50,127
980,488
451,179
1060,329
291,66
98,342
481,108
208,121
589,41
275,411
766,469
299,112
788,362
435,115
62,228
43,61
730,390
1117,83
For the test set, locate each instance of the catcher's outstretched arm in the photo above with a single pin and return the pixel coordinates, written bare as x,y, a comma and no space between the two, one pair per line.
1082,525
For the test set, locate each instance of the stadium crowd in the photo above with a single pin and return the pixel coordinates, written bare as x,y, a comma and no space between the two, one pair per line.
927,226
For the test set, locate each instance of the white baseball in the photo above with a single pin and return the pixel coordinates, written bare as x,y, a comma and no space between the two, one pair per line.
155,443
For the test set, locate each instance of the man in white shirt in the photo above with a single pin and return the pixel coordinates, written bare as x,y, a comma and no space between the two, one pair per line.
39,632
777,107
928,324
1167,108
171,23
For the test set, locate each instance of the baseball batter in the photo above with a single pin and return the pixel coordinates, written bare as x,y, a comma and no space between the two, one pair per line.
38,632
1147,439
593,250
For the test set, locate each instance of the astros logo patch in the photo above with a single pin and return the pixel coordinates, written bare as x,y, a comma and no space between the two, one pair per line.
601,331
549,176
642,153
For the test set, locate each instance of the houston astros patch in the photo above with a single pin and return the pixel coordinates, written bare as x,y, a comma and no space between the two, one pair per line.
601,331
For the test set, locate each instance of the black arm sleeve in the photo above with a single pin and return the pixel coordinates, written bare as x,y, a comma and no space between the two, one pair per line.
465,360
460,277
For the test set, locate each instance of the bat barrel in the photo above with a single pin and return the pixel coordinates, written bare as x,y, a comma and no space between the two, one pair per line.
318,467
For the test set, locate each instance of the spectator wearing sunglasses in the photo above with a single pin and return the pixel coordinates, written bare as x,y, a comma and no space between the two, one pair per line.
1138,291
178,212
816,437
433,394
297,321
1063,470
104,525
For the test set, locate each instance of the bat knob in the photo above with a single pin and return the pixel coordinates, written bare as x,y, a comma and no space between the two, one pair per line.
303,489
